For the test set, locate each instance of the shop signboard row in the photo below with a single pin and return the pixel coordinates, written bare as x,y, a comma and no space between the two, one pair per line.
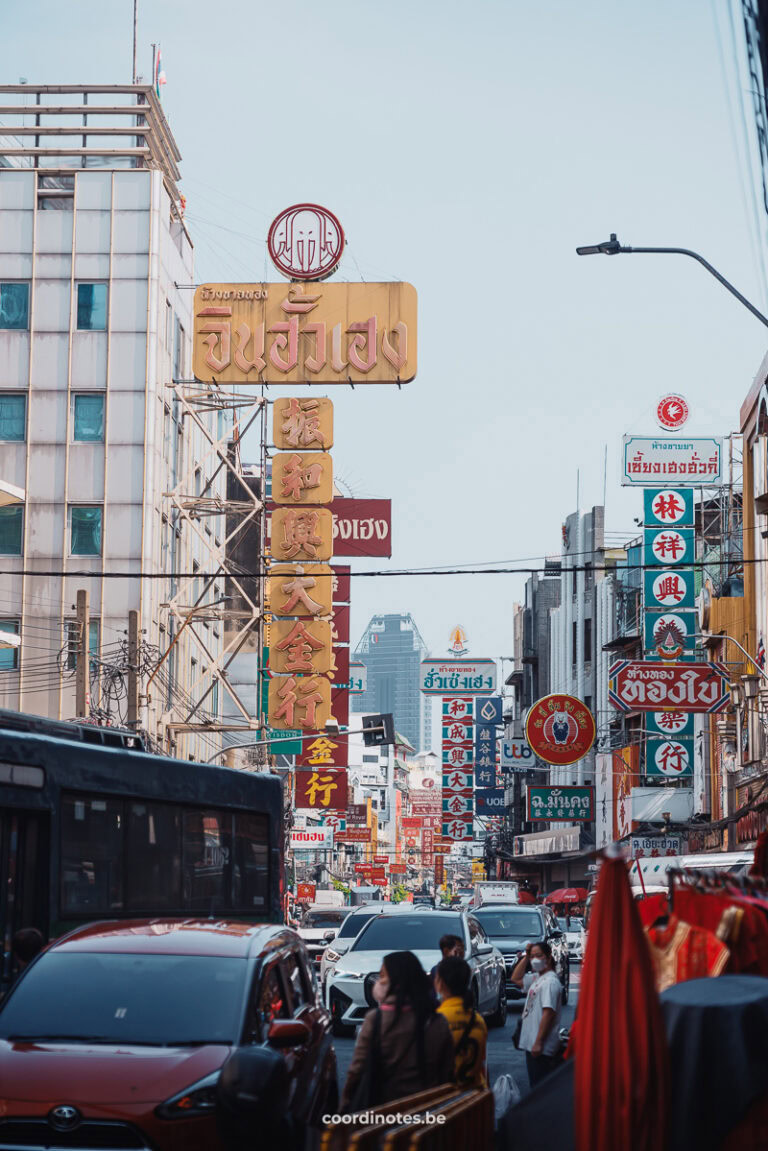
561,804
457,798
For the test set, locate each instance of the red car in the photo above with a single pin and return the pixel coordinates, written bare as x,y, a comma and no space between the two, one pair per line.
115,1037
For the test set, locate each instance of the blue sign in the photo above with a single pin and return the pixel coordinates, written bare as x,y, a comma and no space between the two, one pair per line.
669,590
490,801
668,507
668,547
669,724
485,776
489,710
485,740
669,633
671,758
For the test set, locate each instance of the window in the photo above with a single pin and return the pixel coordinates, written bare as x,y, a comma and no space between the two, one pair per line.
153,845
13,416
270,1002
168,325
92,307
9,656
73,641
88,417
85,531
587,640
55,193
574,640
14,306
178,351
91,854
215,698
296,981
11,531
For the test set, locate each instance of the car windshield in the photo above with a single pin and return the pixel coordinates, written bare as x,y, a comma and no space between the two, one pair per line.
355,923
327,917
405,932
500,923
576,923
562,923
143,999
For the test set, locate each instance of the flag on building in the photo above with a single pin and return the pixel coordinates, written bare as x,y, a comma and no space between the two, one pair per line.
159,71
761,654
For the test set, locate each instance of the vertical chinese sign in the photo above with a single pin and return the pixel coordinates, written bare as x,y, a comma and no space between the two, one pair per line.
458,768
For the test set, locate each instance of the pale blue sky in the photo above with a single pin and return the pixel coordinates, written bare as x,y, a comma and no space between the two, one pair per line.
468,148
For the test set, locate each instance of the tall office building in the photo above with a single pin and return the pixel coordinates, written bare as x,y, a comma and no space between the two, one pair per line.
96,272
392,649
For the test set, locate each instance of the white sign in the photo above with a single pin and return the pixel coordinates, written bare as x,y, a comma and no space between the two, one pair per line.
312,839
299,821
642,846
654,461
358,677
516,755
458,676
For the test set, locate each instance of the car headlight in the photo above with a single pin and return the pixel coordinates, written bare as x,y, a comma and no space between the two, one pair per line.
332,956
199,1099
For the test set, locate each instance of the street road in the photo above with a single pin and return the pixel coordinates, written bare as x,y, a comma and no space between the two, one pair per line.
503,1056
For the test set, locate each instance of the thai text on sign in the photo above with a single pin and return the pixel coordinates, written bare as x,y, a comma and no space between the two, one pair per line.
654,460
690,687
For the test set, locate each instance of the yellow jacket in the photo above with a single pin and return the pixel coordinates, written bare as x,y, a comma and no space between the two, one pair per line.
469,1056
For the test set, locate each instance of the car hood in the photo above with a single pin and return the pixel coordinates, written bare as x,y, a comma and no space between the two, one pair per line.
509,945
81,1073
315,934
363,962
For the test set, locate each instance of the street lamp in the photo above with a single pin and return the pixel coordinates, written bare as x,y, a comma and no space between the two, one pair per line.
612,247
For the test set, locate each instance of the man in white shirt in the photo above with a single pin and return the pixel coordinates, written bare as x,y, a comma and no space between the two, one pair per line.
540,1023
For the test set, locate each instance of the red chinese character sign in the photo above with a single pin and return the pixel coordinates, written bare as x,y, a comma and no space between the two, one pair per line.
672,412
560,729
321,790
306,242
458,759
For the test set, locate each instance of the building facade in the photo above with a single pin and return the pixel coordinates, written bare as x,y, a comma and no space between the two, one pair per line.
96,270
392,650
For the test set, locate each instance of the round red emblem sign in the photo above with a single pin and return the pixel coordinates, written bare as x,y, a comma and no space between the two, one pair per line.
672,412
306,242
560,729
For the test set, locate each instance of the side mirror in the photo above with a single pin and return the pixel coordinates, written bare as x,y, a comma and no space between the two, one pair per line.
485,949
252,1091
329,935
288,1033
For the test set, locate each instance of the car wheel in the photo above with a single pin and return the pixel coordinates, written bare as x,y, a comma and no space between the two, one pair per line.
342,1030
499,1017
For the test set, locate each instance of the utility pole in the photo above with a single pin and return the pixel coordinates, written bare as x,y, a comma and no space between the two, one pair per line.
82,668
133,669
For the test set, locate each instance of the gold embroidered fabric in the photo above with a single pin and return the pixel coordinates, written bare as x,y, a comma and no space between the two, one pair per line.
680,952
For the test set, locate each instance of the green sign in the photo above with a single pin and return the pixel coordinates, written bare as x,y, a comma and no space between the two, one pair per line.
561,804
285,742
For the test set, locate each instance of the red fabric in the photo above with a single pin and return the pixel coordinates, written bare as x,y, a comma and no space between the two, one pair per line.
621,1068
760,862
650,908
749,943
680,952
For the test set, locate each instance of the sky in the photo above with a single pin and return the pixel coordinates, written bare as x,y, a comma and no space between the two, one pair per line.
468,149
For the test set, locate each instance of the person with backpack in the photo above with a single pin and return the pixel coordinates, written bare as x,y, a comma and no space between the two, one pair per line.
403,1046
468,1029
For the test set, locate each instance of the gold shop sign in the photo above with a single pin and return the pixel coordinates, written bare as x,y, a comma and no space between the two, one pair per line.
300,647
299,702
303,423
300,534
305,333
304,590
302,478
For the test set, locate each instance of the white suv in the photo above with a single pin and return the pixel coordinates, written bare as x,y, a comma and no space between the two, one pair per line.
350,929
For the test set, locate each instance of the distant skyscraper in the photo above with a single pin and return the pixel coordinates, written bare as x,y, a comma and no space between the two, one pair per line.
392,649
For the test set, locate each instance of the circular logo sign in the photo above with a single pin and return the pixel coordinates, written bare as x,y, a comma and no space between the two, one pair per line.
670,588
306,242
560,729
672,412
672,759
673,722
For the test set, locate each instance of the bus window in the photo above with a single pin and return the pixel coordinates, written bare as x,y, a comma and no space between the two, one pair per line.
91,855
251,848
154,849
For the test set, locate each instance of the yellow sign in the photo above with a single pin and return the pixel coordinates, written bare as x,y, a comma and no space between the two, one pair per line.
305,478
302,534
305,333
478,869
303,423
300,647
299,702
303,590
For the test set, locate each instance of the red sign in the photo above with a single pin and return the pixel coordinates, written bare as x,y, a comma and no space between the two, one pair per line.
340,627
362,527
305,892
325,751
398,869
560,729
342,583
340,705
411,823
357,813
427,845
378,873
642,685
354,835
360,868
672,412
322,790
381,859
439,871
305,242
341,660
379,882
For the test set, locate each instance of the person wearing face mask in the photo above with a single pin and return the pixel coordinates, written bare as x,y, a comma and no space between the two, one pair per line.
540,1023
409,1045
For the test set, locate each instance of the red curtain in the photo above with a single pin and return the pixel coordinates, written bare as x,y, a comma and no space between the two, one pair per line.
619,1042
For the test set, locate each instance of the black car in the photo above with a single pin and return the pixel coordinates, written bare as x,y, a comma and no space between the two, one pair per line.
511,926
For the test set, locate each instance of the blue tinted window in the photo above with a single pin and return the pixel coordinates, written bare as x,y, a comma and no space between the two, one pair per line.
92,307
86,531
9,656
14,305
88,418
11,531
13,417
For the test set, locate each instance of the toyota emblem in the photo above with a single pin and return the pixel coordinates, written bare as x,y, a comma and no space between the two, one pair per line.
64,1118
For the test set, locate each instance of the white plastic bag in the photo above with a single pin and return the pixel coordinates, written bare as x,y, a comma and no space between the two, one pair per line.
506,1094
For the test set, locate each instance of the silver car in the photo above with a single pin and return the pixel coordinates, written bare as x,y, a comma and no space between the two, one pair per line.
349,990
349,930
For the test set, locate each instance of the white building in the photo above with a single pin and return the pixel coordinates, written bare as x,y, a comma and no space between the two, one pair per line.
96,269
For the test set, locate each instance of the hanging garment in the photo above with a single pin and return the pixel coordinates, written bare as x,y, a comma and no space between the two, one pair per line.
680,952
738,920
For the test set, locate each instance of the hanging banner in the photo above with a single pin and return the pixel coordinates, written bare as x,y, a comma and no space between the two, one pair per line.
292,334
362,527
